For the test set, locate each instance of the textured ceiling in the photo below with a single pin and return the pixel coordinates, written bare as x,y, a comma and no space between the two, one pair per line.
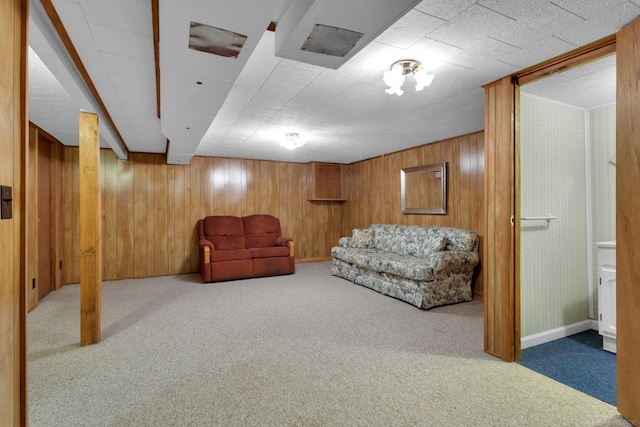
343,115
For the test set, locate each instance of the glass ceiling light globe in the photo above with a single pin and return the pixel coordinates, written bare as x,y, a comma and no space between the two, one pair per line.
394,78
422,79
291,141
395,75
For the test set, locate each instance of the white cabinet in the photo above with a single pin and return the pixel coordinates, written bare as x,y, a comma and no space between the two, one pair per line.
607,294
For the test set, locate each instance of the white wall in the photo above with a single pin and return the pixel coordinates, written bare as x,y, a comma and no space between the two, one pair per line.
554,175
603,182
554,255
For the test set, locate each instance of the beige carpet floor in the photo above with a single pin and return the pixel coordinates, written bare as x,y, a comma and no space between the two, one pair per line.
307,349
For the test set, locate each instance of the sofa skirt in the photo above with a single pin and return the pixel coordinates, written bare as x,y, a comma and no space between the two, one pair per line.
423,294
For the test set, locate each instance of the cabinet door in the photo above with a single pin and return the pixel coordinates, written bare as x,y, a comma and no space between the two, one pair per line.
607,295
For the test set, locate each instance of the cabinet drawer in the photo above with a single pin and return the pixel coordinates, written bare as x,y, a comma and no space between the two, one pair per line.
607,257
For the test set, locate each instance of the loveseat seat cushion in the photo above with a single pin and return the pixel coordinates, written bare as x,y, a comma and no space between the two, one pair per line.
276,251
407,266
230,255
225,232
261,231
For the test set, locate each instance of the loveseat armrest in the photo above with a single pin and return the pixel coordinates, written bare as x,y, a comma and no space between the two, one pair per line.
344,242
287,242
206,247
457,261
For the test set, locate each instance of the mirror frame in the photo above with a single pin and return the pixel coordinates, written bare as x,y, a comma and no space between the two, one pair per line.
438,207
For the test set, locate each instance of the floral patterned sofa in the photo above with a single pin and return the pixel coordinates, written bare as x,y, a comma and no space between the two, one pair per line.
424,266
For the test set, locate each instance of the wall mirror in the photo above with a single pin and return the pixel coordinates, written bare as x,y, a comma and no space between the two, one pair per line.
423,189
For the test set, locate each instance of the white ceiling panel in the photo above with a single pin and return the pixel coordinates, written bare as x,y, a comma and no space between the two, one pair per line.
122,43
444,9
599,26
137,18
245,104
75,19
136,67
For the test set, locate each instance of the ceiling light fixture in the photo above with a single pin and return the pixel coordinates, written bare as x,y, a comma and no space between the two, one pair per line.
291,141
394,76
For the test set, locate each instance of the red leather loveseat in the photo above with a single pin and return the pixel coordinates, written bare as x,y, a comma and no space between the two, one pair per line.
237,248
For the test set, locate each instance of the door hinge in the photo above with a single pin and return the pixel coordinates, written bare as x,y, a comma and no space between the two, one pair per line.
600,280
601,317
512,220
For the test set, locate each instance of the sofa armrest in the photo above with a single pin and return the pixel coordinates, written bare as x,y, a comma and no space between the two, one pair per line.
344,242
206,247
456,261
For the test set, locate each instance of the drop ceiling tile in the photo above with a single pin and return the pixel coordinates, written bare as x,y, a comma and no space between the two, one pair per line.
128,65
123,43
127,15
72,17
588,8
480,53
473,24
537,52
86,47
444,9
410,29
543,16
600,26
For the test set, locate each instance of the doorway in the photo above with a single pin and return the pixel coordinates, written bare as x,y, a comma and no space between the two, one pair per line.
567,203
44,217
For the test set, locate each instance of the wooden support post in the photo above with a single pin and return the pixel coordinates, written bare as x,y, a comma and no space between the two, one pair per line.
90,230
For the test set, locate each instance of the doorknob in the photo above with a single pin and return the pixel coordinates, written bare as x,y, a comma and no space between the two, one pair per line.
6,192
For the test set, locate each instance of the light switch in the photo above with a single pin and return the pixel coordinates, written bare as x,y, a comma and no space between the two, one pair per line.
6,208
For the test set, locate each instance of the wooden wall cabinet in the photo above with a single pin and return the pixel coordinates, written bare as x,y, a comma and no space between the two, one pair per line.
325,182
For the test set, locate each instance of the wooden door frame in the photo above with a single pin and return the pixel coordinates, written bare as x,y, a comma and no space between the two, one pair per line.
502,196
502,332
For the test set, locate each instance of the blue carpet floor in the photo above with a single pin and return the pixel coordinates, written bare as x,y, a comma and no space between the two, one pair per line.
577,361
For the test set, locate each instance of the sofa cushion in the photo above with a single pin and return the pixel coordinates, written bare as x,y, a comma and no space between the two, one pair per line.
432,245
261,231
225,232
230,255
362,238
389,262
384,236
275,251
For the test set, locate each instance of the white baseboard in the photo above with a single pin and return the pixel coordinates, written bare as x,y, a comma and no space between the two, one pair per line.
554,334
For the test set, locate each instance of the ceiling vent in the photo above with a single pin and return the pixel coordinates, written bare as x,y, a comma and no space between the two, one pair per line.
299,37
332,41
216,41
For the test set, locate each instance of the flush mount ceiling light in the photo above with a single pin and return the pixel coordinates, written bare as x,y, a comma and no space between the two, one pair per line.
291,141
394,76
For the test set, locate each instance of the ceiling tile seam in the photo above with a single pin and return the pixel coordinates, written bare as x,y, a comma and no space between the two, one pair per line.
563,40
443,42
499,13
113,28
568,11
444,21
504,42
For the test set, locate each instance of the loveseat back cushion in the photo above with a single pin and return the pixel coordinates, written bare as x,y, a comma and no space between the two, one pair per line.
261,231
225,232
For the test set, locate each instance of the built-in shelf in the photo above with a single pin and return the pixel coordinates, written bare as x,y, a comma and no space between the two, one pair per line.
325,182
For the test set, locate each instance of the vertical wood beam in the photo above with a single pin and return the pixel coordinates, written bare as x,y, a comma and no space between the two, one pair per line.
14,15
90,230
501,298
627,225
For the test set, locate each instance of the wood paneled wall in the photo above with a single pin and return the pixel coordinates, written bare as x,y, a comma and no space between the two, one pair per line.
150,210
373,189
14,16
54,223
